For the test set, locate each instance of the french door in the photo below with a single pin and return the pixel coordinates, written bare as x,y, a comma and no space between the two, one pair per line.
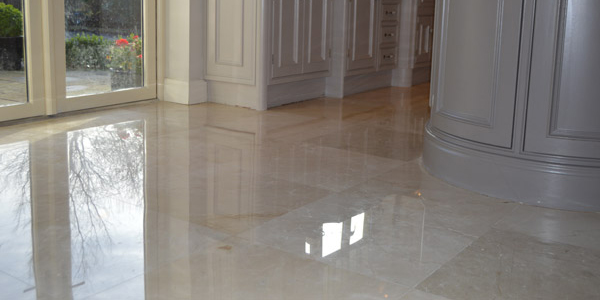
78,54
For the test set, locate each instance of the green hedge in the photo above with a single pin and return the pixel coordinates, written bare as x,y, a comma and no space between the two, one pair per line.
85,52
11,21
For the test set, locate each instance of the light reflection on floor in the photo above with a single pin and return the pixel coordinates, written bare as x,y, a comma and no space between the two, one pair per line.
324,199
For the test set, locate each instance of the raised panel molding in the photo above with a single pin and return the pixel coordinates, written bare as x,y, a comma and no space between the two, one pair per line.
231,41
562,116
475,85
322,30
316,36
487,120
230,33
361,35
287,37
355,27
591,66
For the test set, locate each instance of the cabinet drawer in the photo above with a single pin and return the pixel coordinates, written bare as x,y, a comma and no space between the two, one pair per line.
388,57
388,35
389,12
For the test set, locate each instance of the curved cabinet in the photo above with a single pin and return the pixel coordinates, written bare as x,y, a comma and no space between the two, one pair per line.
515,109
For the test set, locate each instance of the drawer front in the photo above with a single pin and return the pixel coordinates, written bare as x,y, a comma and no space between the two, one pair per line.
388,57
389,12
388,35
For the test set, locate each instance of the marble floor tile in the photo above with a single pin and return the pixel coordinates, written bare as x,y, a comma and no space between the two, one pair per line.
419,295
463,212
403,146
258,199
236,269
323,199
367,237
510,265
551,225
321,167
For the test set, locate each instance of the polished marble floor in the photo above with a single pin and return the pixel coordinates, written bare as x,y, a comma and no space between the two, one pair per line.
324,199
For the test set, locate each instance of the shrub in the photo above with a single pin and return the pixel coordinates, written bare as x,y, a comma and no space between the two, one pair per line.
11,21
126,54
85,51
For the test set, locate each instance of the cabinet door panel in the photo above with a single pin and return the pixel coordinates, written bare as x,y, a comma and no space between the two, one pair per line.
424,41
475,70
287,30
317,29
563,115
361,35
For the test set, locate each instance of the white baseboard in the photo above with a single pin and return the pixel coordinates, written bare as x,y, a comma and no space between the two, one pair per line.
184,92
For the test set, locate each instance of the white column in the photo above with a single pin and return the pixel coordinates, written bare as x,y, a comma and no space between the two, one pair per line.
181,44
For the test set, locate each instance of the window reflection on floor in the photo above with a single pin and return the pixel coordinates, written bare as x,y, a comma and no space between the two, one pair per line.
336,236
106,194
15,219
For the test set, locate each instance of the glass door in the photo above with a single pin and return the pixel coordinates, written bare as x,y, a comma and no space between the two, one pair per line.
21,78
65,55
105,52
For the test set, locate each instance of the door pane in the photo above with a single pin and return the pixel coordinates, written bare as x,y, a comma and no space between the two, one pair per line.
103,46
13,82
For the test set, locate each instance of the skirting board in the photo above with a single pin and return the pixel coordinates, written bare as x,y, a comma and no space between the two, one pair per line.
184,92
248,96
421,75
518,179
286,93
362,83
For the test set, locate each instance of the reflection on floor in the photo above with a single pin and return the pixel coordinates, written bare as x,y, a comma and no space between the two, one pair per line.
324,199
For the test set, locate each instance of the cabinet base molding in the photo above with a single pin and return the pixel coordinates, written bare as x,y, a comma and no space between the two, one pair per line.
421,75
286,93
248,96
362,83
513,177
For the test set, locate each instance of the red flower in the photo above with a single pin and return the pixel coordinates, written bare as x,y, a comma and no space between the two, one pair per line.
135,37
140,56
122,42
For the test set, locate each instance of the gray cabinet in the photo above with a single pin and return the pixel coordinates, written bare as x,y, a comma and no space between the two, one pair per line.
477,60
563,115
300,37
362,30
532,138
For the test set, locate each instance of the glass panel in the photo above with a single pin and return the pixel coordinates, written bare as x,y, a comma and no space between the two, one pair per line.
16,261
106,194
103,40
13,82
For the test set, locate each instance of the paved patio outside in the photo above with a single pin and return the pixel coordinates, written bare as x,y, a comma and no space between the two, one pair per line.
13,86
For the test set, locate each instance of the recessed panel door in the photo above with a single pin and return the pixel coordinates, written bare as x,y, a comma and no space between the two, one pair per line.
475,71
362,29
287,36
317,29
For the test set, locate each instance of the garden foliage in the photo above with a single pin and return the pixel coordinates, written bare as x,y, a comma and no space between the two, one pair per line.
11,21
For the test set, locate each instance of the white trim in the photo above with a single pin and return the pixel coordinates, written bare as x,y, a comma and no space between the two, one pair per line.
185,92
34,54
